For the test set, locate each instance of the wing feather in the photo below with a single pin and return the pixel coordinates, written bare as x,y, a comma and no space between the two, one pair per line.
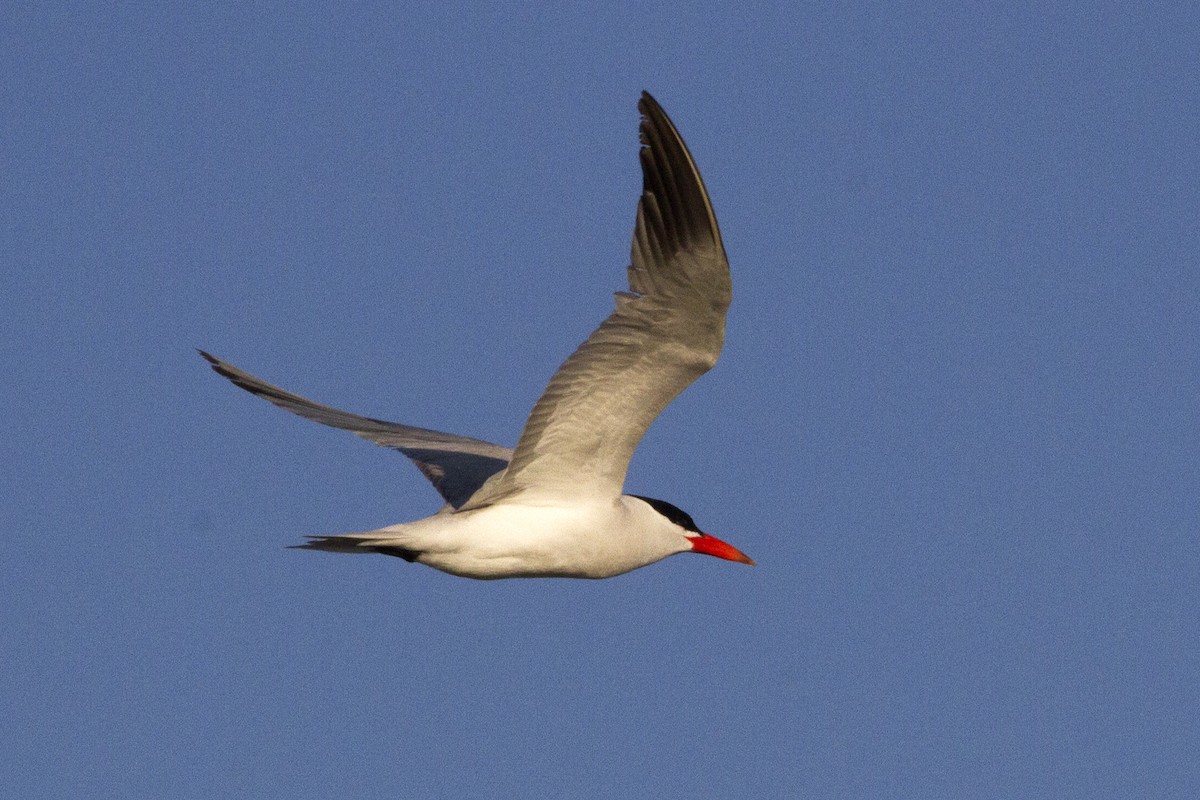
456,465
666,332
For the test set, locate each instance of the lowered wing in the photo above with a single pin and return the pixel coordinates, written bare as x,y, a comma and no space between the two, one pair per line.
456,465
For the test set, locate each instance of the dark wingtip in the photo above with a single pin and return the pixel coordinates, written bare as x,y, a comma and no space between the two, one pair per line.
652,114
241,379
679,214
222,369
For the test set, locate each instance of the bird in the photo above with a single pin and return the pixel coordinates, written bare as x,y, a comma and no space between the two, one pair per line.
554,506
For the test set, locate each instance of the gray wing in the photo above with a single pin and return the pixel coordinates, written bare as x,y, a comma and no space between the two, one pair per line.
665,332
456,465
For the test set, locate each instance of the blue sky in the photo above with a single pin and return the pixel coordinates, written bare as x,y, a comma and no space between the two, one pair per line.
956,418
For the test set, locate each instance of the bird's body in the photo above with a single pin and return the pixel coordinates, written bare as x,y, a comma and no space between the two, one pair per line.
517,540
553,506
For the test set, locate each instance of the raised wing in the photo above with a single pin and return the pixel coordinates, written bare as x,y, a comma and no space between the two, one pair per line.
665,332
456,465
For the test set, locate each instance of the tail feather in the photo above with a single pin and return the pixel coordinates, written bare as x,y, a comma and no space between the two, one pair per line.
356,544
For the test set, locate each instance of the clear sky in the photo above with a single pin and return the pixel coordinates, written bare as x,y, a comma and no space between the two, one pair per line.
957,419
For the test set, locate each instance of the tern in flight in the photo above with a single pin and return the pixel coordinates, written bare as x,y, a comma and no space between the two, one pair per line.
554,506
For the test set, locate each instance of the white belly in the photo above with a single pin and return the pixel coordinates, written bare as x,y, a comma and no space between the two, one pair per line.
509,540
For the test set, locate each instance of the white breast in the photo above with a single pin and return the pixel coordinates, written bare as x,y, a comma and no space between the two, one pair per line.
507,540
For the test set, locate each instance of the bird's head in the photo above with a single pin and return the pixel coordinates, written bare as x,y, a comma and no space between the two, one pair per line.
700,541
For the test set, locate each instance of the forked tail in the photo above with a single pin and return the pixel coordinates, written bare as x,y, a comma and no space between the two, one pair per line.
356,543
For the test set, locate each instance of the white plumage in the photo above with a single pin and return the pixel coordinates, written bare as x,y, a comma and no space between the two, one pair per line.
554,506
